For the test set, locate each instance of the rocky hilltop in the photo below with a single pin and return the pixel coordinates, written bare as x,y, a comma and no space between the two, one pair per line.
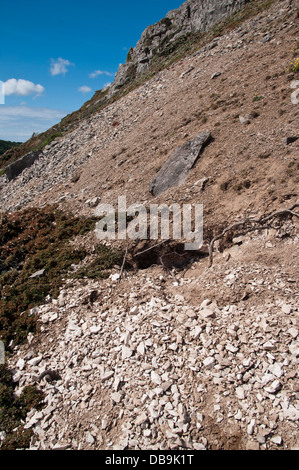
170,351
194,16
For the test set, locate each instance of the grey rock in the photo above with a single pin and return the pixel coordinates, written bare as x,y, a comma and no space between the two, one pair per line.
175,171
244,120
290,139
187,71
39,273
266,38
16,168
158,39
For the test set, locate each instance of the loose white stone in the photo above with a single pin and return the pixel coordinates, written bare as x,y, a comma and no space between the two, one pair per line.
286,308
126,352
141,419
89,438
155,378
207,313
141,348
107,375
293,332
276,440
276,369
20,364
274,387
240,393
116,397
250,427
95,329
268,346
209,362
231,348
35,361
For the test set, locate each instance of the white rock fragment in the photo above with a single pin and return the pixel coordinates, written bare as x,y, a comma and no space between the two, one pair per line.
35,360
274,387
61,446
141,348
250,427
20,364
142,418
116,397
276,440
89,439
290,412
286,308
107,375
233,349
209,362
95,329
207,313
155,378
276,369
293,332
240,392
268,346
126,352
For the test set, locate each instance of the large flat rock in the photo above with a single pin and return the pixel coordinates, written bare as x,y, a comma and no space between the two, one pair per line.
15,169
176,169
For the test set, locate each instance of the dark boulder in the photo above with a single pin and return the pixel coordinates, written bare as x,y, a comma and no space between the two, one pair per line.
176,169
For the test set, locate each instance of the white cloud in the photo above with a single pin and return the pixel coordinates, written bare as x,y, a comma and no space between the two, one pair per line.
96,73
60,66
27,111
84,89
19,122
21,87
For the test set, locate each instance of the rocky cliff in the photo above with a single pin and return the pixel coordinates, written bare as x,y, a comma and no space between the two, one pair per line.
194,16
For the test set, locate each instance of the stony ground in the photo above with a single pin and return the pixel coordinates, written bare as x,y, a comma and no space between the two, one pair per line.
205,358
201,359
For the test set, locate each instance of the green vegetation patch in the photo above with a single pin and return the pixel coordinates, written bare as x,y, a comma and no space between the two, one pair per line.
7,144
13,411
100,266
36,240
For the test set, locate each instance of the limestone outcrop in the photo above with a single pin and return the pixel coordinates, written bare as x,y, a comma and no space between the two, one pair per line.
194,16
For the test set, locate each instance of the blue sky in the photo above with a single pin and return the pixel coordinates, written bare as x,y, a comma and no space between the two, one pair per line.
55,54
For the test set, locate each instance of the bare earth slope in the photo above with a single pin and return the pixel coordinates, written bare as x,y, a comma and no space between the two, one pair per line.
201,358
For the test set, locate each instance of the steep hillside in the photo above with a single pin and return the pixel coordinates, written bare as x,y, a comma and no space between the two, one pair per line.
155,356
180,33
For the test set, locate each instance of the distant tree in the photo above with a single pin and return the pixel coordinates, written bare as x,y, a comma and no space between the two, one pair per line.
6,145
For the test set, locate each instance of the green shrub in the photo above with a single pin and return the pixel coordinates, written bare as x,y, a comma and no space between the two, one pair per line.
13,411
33,240
100,266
